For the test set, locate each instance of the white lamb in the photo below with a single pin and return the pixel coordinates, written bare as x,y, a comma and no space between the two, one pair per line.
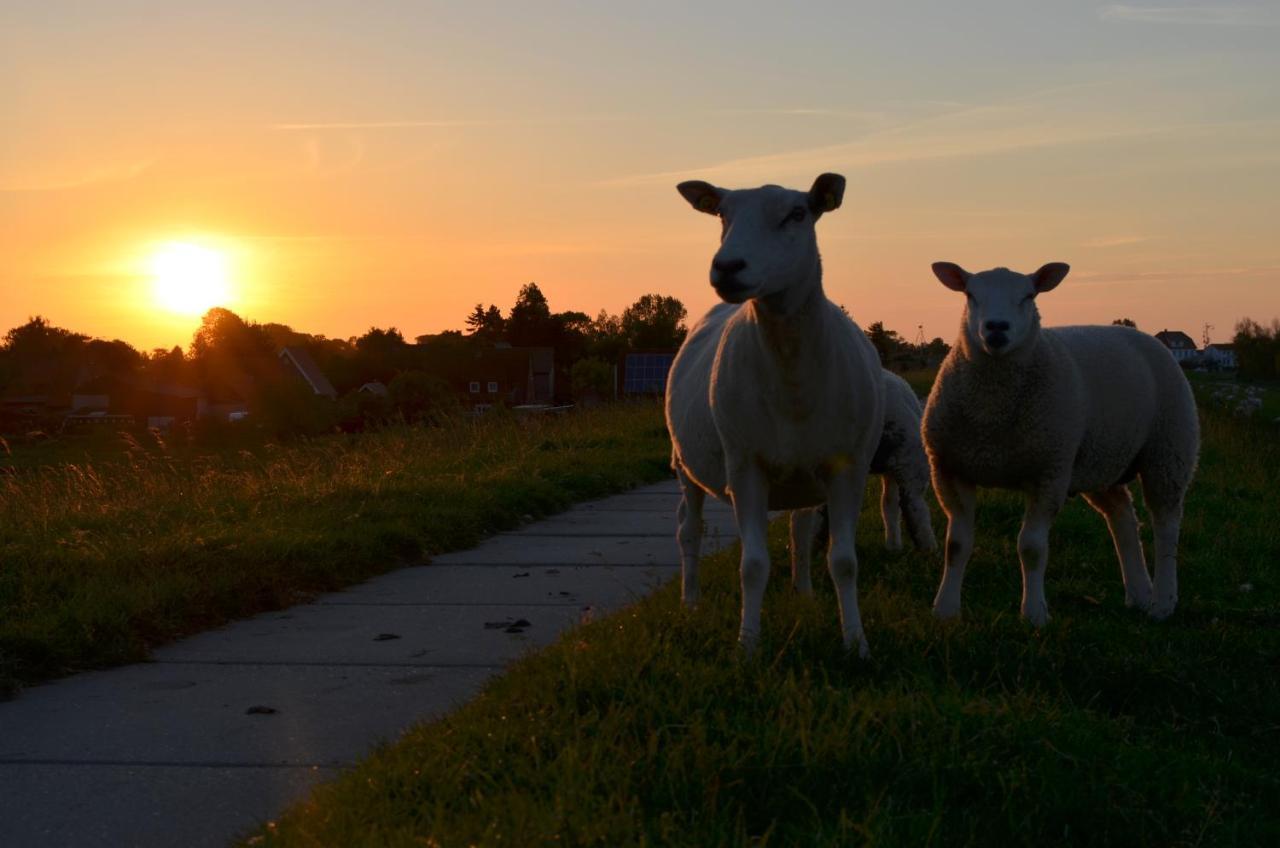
777,404
903,467
1052,413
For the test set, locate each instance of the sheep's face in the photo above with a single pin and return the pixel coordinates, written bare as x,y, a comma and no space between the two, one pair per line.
768,247
1000,315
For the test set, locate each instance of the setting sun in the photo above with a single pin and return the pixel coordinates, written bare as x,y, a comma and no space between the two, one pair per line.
189,278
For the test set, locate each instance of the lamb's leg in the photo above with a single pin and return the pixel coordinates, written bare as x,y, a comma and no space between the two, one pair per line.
1033,551
916,514
891,512
802,524
1166,521
689,535
750,493
844,502
1116,506
959,501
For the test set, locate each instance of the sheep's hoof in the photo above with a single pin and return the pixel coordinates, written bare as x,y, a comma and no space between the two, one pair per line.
893,544
1138,601
690,600
946,611
747,641
1037,616
1161,610
859,644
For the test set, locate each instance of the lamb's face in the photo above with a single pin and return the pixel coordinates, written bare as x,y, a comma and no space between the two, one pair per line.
767,241
1000,314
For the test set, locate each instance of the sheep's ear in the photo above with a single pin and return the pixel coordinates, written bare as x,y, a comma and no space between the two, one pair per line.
1049,276
951,275
701,196
827,194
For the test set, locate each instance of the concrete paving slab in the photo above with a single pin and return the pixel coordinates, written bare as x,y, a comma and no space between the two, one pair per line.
217,715
174,752
588,585
527,549
341,635
640,523
136,805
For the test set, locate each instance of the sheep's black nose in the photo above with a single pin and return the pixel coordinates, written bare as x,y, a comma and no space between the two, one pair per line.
996,340
996,326
728,267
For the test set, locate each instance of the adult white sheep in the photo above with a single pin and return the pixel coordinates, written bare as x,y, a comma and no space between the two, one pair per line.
777,404
903,467
1055,412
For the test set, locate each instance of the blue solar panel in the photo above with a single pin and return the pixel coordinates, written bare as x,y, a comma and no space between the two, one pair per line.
646,373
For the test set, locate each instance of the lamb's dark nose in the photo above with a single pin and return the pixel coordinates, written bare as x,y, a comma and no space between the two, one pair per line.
996,326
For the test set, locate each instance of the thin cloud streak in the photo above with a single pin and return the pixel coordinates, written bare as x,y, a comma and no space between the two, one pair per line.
451,123
1203,15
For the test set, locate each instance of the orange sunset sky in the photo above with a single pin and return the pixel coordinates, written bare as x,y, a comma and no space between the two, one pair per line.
393,163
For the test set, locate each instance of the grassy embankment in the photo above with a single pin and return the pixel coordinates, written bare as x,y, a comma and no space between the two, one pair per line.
1104,728
109,546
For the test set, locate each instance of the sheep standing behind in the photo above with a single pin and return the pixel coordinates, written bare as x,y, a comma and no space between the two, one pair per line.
903,467
1055,412
778,403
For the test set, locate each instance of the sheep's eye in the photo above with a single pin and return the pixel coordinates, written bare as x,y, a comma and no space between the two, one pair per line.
1028,299
796,215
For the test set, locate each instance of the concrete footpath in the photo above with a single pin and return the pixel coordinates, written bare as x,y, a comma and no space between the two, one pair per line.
223,730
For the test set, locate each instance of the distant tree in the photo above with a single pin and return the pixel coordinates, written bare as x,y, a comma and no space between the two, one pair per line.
1257,349
887,343
530,323
380,354
1124,322
592,377
486,324
936,351
605,338
654,321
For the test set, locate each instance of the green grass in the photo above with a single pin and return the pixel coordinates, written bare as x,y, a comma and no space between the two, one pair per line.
1102,729
109,546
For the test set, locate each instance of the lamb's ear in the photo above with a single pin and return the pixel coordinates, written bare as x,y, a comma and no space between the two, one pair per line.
827,194
701,196
951,275
1049,276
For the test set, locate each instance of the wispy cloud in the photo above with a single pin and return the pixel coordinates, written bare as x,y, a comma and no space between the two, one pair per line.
1194,15
1114,241
85,179
450,123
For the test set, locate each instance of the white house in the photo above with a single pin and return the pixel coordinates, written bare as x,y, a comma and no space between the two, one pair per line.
1221,355
1181,345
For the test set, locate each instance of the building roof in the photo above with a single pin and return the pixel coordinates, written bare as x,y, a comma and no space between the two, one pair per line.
1176,338
1222,346
308,370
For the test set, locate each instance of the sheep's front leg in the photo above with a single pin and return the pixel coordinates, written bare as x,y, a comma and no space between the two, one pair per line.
750,493
1033,551
689,535
891,512
844,502
802,526
959,501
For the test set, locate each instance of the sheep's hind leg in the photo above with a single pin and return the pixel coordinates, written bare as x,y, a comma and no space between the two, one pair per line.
1166,520
891,512
959,500
844,502
689,536
1116,506
802,527
750,493
915,512
1033,551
